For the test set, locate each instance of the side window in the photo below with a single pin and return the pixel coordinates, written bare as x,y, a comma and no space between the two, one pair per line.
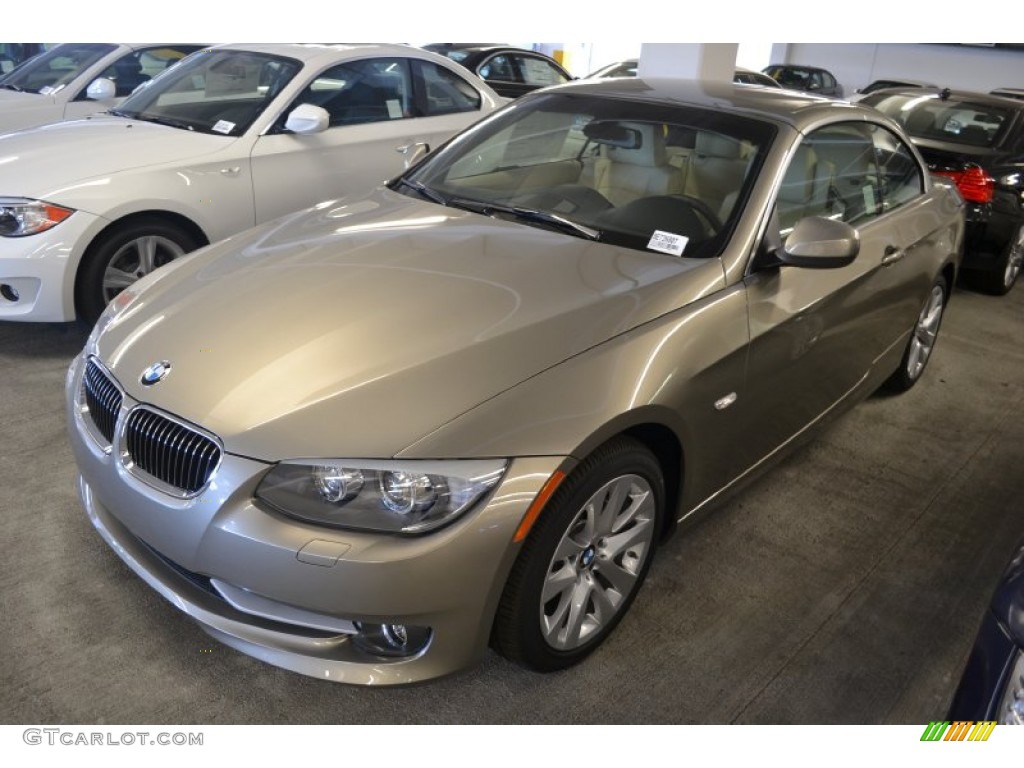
538,72
828,80
901,178
833,174
498,68
439,91
137,67
368,91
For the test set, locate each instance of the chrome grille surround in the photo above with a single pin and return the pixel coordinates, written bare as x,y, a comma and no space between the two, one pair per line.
100,400
166,453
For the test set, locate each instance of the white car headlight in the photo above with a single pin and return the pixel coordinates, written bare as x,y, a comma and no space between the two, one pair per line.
20,216
403,497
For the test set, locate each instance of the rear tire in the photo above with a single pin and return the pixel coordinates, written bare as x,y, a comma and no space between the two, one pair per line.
922,340
122,255
1000,281
584,561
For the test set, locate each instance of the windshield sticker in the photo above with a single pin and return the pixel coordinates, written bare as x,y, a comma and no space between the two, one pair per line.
668,242
394,109
223,126
869,197
46,90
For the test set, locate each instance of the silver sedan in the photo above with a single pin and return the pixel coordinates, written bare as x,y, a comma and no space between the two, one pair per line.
366,441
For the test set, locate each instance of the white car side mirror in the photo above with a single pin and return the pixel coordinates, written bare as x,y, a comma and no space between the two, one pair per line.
101,89
307,118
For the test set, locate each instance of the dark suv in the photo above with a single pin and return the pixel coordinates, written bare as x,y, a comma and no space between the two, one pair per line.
800,78
977,141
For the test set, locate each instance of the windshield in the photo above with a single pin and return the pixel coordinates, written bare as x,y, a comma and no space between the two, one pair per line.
653,177
212,91
49,72
953,120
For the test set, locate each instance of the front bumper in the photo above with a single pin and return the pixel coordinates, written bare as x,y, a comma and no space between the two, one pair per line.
39,270
297,595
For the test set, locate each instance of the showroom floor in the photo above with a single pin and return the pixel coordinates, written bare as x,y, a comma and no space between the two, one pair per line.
843,588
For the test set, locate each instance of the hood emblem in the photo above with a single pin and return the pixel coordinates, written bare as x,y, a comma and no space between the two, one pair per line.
155,373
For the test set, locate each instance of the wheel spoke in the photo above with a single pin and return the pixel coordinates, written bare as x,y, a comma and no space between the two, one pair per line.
558,582
577,613
568,549
638,534
611,506
620,576
117,279
146,248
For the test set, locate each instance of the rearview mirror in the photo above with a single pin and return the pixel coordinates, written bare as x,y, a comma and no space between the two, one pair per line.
101,89
613,134
818,243
308,118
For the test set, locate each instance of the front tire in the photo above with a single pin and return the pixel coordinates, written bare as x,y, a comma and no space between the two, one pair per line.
922,339
123,254
585,559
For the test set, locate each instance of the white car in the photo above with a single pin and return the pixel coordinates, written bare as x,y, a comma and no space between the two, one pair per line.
57,84
230,137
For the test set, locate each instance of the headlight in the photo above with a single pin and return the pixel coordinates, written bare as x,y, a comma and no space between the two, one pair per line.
381,496
1011,708
20,217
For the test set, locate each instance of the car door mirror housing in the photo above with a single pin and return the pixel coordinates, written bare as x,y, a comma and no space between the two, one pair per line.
101,89
819,243
307,118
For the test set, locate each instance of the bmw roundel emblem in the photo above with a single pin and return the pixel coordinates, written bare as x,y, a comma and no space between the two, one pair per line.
156,372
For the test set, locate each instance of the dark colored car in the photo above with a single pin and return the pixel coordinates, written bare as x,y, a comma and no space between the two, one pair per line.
511,72
1009,93
628,68
977,141
878,85
800,78
992,685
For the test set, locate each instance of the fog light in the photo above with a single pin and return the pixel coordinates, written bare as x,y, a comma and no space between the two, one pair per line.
392,640
9,292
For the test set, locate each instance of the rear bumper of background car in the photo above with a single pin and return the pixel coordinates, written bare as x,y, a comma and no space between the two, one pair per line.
307,598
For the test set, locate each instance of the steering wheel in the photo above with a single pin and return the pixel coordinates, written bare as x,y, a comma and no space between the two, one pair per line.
705,211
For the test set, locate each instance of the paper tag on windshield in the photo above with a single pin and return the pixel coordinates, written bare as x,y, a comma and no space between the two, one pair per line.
223,126
667,242
46,90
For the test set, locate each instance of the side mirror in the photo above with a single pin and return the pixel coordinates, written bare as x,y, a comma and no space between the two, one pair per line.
101,89
307,118
817,243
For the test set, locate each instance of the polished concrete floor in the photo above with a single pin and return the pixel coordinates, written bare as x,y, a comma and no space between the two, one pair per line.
844,587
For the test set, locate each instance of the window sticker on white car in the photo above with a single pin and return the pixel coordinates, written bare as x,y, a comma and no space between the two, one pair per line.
223,126
46,90
668,242
394,109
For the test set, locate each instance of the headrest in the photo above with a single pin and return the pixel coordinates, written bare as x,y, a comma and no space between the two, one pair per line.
798,183
651,152
716,145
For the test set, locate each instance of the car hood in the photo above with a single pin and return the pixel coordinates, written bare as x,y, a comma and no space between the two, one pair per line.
49,161
356,329
22,110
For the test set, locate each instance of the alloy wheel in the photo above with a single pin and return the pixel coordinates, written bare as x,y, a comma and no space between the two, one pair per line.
925,332
598,562
136,259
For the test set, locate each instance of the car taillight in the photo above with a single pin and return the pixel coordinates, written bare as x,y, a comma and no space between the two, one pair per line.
974,184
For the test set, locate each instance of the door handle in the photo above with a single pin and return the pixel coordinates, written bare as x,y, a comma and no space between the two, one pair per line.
891,255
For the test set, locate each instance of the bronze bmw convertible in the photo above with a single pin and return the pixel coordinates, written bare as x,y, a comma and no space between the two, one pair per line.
370,439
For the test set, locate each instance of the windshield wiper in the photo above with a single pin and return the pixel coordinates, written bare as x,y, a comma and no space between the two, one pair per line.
424,190
12,87
163,121
526,214
120,113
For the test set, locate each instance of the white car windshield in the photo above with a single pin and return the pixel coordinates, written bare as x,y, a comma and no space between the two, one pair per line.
212,91
49,72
